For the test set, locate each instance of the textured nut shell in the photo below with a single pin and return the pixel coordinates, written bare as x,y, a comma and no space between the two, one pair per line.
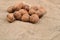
25,17
18,6
17,15
34,18
10,9
35,7
23,11
39,13
26,7
10,17
42,10
32,11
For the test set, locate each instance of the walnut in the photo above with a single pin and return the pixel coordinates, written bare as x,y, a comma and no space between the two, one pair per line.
10,9
10,17
34,18
42,10
18,6
25,17
17,15
35,7
32,11
39,13
23,11
26,7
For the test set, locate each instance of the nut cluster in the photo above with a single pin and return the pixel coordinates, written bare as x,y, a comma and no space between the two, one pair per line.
24,12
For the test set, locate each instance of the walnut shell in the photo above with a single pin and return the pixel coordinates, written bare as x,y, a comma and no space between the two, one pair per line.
35,7
10,9
34,18
42,10
17,15
25,17
26,7
18,6
10,17
32,11
39,13
23,11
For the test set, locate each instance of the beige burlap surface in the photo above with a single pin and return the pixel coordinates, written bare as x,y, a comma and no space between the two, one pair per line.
48,27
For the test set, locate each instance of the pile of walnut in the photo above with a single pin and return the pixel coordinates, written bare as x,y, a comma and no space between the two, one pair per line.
24,12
